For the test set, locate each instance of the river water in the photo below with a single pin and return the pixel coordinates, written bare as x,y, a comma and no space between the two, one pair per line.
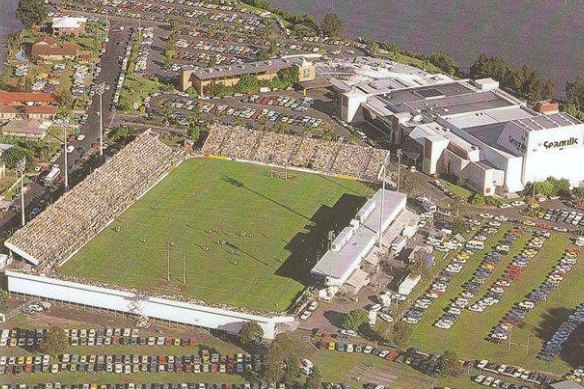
547,34
9,24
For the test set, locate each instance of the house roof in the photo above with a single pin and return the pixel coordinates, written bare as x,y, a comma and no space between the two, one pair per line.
27,126
25,97
48,46
68,22
25,109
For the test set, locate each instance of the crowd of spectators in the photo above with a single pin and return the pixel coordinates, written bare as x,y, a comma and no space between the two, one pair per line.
81,213
328,157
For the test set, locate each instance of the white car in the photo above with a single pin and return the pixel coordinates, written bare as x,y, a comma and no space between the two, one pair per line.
80,137
385,317
70,149
305,315
348,332
375,308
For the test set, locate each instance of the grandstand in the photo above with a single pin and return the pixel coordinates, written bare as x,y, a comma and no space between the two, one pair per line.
73,220
363,163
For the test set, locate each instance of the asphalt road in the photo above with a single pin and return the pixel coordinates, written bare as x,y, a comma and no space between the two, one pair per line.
37,197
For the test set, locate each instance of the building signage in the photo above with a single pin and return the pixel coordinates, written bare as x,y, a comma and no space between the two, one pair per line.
561,143
519,145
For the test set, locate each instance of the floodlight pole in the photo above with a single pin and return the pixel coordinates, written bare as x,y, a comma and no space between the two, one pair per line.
100,89
66,162
168,265
382,201
399,155
22,168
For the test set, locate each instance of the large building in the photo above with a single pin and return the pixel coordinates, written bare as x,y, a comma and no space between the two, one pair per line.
489,140
230,75
27,105
356,241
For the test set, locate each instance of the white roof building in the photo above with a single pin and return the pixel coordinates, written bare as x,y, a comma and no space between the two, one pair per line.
68,22
355,242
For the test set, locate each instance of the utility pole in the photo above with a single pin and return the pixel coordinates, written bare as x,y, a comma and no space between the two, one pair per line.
399,154
66,152
100,90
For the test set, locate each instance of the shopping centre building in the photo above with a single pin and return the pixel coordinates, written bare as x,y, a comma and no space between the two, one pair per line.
489,140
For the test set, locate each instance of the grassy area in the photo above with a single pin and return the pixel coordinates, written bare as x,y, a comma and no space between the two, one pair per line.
136,89
458,190
244,236
356,369
467,336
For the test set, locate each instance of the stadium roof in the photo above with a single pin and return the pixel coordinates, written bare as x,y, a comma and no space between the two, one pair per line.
339,264
71,221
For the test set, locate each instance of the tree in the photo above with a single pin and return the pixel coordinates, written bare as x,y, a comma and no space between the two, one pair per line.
262,55
332,25
14,155
407,182
449,365
444,62
278,352
401,333
194,133
121,134
55,341
354,319
417,268
575,92
251,334
477,199
248,83
3,301
192,91
31,12
291,370
314,380
458,225
572,110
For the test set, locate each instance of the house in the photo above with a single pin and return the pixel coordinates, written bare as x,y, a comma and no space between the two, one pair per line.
27,105
28,128
68,25
46,49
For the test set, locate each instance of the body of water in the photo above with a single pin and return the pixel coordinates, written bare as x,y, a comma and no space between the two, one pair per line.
9,24
547,34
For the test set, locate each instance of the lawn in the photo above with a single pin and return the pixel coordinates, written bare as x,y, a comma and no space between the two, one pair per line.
245,238
467,336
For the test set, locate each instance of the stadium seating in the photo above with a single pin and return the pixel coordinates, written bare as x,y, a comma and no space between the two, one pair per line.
81,213
360,162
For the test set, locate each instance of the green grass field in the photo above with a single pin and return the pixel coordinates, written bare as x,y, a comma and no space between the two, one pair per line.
245,237
467,336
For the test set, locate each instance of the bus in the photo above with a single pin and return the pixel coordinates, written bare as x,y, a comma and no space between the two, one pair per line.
53,174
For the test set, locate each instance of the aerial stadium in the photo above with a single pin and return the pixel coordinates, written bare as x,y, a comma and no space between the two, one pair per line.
234,231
